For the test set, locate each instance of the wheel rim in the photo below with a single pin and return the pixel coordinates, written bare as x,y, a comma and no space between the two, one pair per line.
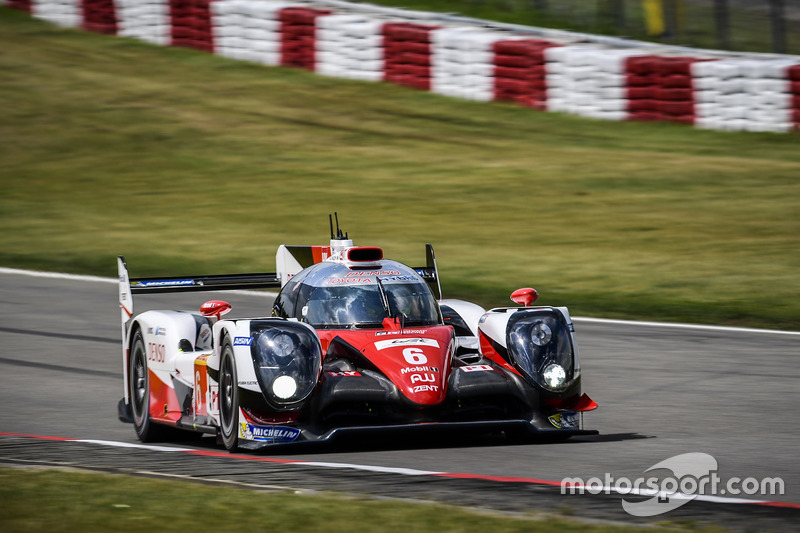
227,397
139,384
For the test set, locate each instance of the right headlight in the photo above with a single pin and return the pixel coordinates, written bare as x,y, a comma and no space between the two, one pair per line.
540,344
287,358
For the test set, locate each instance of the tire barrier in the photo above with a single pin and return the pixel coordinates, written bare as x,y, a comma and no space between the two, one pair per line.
605,79
190,23
520,72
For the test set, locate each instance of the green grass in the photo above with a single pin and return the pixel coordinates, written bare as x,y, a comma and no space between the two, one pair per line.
190,163
55,501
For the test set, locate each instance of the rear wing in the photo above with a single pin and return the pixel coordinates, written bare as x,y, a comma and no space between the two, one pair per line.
129,286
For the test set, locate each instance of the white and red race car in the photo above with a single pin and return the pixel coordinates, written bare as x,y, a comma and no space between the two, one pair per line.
354,343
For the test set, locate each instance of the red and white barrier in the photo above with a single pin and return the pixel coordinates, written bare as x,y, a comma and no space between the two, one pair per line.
463,63
407,54
520,74
146,20
248,30
755,93
65,13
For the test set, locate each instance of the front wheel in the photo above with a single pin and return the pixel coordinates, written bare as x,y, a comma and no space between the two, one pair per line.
228,399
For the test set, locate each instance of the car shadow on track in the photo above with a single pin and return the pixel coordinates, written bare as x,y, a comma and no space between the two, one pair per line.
350,444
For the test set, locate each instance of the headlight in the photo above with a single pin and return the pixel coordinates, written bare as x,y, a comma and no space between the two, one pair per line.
284,387
540,345
287,358
554,376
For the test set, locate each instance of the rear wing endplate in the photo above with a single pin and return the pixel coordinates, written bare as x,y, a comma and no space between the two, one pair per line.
430,272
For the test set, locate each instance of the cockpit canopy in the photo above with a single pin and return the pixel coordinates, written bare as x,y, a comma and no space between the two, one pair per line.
335,296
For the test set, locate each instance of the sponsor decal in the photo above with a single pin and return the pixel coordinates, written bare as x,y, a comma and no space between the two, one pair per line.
163,283
568,420
571,327
477,368
419,369
242,341
161,331
213,400
416,341
268,433
248,382
337,281
345,373
404,332
156,352
361,273
398,278
426,388
427,377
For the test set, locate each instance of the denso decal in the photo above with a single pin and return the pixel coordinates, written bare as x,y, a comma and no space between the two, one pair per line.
156,352
268,433
392,343
345,373
419,369
243,341
476,368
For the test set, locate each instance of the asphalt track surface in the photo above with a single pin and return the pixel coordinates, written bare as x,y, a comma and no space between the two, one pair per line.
663,391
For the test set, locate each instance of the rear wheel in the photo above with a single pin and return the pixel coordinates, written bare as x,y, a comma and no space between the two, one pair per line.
228,399
139,392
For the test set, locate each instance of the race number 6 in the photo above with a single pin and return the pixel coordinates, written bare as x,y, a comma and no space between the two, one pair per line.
414,356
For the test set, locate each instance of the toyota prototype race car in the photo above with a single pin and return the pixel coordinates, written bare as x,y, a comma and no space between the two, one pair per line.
354,343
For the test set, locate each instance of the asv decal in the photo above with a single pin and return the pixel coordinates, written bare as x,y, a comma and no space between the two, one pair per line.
415,356
393,343
429,378
476,368
243,341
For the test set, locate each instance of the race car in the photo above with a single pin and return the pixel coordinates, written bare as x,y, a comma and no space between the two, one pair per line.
354,343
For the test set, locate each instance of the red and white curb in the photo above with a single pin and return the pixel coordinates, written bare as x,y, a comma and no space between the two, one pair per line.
407,471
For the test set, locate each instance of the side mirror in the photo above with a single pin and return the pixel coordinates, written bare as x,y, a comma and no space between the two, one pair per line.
524,296
215,308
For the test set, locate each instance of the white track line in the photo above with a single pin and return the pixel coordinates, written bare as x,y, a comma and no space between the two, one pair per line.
97,279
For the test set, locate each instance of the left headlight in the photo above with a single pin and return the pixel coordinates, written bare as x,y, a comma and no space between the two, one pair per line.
287,359
540,345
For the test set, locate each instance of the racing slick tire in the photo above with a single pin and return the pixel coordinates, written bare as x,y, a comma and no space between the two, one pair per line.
139,385
228,399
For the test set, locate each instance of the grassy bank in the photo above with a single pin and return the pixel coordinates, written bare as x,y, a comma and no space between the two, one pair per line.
191,163
54,501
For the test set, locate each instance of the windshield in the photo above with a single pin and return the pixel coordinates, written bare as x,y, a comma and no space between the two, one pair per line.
364,306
